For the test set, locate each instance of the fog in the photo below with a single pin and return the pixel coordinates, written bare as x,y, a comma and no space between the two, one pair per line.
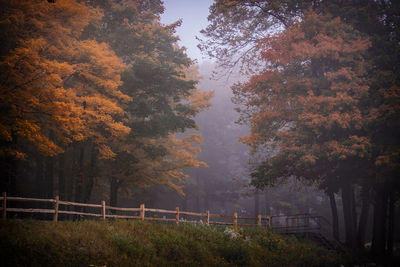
295,116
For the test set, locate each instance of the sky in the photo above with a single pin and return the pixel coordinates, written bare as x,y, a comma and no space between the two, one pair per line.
194,18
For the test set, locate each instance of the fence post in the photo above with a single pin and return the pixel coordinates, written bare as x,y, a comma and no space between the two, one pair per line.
103,210
319,224
268,221
4,205
142,212
177,214
55,218
259,219
207,217
235,221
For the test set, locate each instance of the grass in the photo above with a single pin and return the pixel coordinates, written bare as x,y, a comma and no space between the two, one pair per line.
136,243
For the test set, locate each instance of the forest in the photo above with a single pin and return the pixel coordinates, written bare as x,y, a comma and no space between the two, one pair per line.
296,111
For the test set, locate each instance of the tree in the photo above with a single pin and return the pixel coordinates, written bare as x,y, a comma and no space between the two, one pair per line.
70,71
308,103
56,88
161,80
375,19
236,28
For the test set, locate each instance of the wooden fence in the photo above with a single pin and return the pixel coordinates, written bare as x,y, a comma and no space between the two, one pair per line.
139,213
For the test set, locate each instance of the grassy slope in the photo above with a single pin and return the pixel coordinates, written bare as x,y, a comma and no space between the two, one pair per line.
134,243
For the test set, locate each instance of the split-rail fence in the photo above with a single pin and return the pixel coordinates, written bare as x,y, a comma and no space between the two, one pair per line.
103,211
54,208
313,227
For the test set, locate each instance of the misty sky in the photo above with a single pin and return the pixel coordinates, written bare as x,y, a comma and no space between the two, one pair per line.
194,16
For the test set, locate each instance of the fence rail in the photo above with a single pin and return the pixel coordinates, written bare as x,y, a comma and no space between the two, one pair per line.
299,223
316,227
141,213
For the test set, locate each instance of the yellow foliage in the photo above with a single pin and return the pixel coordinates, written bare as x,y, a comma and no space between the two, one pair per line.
200,100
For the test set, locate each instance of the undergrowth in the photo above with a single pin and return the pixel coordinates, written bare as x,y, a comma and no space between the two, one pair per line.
136,243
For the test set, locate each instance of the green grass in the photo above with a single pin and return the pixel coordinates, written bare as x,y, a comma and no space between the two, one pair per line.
136,243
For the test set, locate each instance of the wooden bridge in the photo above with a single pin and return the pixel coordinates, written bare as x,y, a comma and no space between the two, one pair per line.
312,227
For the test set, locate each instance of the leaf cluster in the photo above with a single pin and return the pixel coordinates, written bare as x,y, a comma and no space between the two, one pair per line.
105,74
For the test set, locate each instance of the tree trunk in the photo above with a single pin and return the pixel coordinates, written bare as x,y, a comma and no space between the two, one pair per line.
8,172
114,187
61,177
49,177
70,187
379,228
266,200
256,203
79,177
39,184
92,173
184,203
354,214
335,217
70,182
206,195
391,224
8,175
347,198
362,224
39,179
198,207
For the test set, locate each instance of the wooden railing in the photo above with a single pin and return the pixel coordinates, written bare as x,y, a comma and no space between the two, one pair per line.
104,211
296,223
302,223
287,224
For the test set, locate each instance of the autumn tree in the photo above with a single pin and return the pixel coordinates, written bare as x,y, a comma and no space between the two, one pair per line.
383,120
162,81
236,27
157,157
57,88
308,102
70,70
373,19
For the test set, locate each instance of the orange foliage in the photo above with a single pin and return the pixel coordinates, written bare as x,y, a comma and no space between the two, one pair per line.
308,99
180,153
53,82
199,100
